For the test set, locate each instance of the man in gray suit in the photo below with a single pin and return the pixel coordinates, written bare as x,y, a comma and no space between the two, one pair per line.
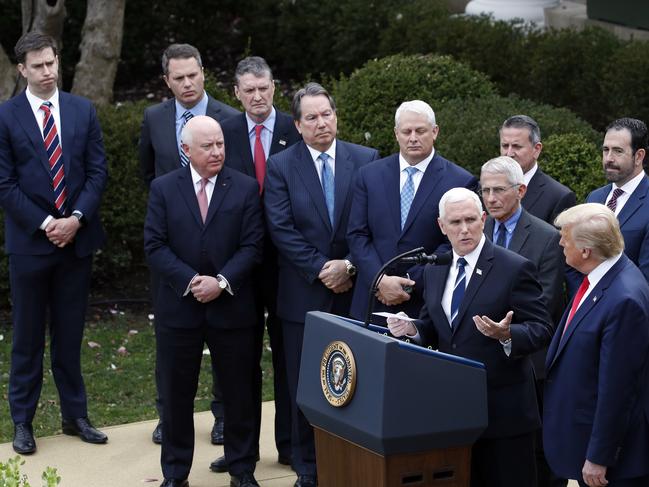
161,152
511,226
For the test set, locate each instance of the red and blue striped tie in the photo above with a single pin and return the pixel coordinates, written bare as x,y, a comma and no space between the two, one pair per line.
54,155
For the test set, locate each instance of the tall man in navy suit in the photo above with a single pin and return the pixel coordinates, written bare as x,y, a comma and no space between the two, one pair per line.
624,149
395,201
487,306
509,225
596,411
251,138
203,236
160,152
52,175
520,138
307,196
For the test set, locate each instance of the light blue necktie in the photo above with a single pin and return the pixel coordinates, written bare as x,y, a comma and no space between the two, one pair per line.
407,194
187,116
328,185
458,290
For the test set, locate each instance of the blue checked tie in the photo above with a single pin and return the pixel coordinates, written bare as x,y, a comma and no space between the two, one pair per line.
187,116
407,194
502,236
328,185
458,290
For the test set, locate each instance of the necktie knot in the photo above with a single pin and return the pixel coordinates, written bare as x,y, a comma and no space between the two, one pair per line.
45,106
258,129
187,116
411,170
612,203
461,262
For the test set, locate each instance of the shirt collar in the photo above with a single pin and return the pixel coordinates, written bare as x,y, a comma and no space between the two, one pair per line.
403,164
600,271
331,151
199,109
269,123
36,102
472,257
631,185
527,177
197,177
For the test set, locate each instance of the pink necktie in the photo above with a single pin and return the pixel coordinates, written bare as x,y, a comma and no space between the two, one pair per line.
260,158
202,199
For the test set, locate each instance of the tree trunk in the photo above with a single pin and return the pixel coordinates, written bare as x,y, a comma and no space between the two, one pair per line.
8,75
100,49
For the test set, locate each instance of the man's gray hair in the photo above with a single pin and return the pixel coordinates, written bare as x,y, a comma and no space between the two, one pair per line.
415,106
524,122
254,65
310,89
504,165
457,195
593,226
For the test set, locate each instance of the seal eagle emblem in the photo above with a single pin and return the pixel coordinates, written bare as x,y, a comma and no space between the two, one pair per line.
338,373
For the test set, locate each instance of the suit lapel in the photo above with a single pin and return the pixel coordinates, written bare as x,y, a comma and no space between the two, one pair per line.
243,142
635,201
429,181
489,228
222,186
169,131
600,196
280,133
534,190
342,180
68,122
521,233
188,193
25,117
306,169
480,273
392,191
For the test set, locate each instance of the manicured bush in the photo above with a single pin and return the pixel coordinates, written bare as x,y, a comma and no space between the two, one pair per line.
368,98
575,161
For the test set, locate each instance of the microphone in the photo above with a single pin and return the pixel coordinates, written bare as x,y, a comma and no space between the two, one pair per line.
422,258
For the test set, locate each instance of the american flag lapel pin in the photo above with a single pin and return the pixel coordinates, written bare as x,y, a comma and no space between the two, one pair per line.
282,142
478,271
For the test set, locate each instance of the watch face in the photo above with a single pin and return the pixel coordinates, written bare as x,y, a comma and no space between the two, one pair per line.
222,284
351,270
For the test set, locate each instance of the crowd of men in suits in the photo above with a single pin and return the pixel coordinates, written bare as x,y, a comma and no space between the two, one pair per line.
256,218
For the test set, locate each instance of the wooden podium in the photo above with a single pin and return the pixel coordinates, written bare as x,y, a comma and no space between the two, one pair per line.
412,415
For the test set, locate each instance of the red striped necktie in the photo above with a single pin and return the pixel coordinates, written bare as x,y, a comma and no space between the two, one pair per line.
55,157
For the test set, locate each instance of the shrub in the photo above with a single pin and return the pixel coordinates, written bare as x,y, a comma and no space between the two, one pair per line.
10,475
368,98
575,161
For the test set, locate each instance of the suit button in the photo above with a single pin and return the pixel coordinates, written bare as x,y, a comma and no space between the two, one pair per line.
454,346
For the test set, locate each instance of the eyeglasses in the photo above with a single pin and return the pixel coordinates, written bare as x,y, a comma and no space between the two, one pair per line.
496,191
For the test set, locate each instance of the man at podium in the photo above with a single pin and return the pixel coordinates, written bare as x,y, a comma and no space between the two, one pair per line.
487,306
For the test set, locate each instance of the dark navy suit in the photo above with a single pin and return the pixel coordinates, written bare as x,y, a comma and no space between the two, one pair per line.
179,245
507,282
597,385
546,197
42,275
634,222
375,234
239,156
299,225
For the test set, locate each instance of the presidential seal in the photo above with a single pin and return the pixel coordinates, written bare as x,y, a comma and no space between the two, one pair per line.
338,374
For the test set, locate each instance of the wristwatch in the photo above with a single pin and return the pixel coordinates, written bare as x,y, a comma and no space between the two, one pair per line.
78,215
222,283
351,268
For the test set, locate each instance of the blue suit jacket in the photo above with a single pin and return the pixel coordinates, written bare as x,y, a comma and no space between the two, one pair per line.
158,146
25,184
596,400
299,225
375,234
179,245
634,222
237,144
507,283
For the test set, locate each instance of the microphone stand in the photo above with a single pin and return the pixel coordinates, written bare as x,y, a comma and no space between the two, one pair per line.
374,287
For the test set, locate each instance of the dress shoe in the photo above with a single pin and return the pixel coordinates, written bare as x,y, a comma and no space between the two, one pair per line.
217,432
220,465
82,428
306,481
24,442
156,436
245,479
174,483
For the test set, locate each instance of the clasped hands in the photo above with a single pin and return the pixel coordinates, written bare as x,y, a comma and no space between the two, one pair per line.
205,288
334,275
61,231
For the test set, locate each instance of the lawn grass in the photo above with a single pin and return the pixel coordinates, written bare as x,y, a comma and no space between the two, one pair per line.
119,382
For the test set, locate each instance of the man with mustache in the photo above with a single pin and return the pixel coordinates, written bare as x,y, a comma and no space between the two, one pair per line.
623,153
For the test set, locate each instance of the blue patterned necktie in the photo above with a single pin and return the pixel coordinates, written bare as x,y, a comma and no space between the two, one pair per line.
458,290
328,185
407,194
502,236
187,116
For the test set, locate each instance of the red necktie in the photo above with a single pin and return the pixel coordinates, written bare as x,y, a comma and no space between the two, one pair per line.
260,158
575,303
202,199
54,155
